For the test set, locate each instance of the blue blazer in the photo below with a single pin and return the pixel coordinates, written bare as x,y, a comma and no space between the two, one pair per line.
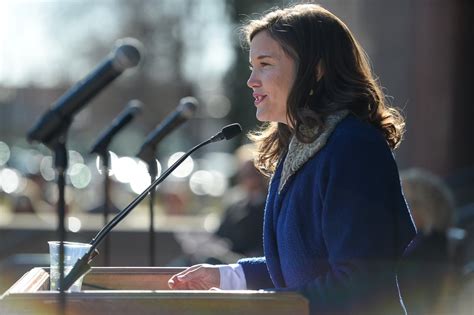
336,227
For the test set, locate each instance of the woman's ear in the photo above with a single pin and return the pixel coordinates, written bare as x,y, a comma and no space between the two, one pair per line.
319,70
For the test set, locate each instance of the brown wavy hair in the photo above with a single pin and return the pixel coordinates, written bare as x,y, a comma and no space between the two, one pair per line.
332,73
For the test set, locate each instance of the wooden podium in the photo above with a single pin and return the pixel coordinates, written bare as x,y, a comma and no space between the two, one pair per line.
141,290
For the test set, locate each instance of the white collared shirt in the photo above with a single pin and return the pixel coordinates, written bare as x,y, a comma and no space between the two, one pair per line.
232,277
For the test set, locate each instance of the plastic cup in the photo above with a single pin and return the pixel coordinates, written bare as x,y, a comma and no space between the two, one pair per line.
72,252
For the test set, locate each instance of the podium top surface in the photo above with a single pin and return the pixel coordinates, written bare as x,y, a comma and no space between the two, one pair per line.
142,290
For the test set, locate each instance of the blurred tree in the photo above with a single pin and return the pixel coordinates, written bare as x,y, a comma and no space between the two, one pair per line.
180,39
240,95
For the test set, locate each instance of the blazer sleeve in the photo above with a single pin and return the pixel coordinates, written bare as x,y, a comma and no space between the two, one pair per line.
256,273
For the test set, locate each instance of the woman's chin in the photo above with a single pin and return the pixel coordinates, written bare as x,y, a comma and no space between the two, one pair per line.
262,117
264,120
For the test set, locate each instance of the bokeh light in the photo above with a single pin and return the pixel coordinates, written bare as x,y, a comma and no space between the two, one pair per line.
218,106
46,168
185,168
34,161
75,157
74,224
4,153
218,185
124,169
211,183
113,159
222,162
211,222
199,182
134,172
79,175
142,179
9,180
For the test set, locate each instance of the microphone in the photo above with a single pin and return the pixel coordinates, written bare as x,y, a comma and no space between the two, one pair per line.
82,266
185,110
126,55
125,117
227,133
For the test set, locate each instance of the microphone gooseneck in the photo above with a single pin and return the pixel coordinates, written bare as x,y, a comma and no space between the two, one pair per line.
82,265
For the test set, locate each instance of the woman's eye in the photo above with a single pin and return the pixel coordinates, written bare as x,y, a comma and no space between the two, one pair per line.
259,65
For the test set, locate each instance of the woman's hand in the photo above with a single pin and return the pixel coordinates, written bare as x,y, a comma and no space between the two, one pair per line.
197,277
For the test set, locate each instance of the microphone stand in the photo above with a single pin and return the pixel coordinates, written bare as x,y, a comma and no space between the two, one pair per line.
82,266
107,204
186,108
51,130
153,171
101,148
60,164
148,156
56,142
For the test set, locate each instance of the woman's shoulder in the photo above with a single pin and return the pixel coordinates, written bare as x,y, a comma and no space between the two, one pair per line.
353,132
355,127
353,140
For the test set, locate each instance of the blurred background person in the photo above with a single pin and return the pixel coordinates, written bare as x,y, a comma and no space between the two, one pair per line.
240,230
242,221
429,274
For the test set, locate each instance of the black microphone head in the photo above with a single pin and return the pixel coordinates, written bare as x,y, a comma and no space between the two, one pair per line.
187,106
133,108
231,131
128,53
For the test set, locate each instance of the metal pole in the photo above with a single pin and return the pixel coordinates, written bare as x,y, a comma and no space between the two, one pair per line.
60,163
107,204
153,171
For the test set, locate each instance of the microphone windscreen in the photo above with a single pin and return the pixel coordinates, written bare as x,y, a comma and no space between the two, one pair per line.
135,106
128,53
187,106
231,131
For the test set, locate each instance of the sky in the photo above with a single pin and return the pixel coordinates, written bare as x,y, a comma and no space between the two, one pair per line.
37,44
49,43
32,50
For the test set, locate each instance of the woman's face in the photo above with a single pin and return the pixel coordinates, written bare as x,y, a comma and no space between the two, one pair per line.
272,77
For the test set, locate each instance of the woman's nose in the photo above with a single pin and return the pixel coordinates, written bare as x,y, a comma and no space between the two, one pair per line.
253,81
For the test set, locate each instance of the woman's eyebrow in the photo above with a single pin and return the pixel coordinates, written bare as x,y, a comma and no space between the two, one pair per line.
264,56
260,57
